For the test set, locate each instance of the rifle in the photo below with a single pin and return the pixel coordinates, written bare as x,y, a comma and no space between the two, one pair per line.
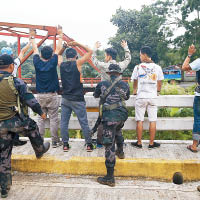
101,102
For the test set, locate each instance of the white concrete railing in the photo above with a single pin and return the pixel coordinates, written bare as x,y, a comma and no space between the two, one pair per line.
178,123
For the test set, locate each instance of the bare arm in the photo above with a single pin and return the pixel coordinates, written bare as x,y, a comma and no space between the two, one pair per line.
186,66
32,34
159,85
85,57
60,39
135,85
24,50
63,48
60,60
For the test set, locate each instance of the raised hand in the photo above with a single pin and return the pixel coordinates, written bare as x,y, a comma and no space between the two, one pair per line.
59,30
124,43
97,44
32,32
191,49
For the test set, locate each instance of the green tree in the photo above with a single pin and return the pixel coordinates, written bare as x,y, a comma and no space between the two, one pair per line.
145,27
190,21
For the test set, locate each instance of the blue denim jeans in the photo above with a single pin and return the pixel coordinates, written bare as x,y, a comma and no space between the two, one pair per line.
79,108
196,125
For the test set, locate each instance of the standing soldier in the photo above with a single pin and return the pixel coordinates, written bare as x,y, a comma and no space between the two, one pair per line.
110,58
15,93
112,95
17,62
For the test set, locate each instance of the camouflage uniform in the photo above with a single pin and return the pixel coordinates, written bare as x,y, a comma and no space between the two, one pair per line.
17,124
113,119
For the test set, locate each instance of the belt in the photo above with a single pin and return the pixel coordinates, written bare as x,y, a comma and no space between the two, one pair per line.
114,106
46,92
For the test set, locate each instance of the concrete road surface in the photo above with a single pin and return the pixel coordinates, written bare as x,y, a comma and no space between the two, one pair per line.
29,186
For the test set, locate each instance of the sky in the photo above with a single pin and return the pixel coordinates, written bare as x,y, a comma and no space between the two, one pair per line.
86,21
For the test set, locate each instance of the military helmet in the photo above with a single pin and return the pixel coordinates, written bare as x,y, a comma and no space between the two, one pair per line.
114,68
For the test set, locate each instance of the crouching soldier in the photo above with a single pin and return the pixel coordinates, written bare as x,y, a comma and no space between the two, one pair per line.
114,113
14,92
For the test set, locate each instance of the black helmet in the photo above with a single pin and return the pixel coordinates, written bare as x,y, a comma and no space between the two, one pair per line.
114,68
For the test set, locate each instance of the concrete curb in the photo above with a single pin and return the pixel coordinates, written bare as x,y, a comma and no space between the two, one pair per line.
130,167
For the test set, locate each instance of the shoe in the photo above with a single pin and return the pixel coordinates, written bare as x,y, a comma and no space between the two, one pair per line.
198,188
136,145
4,193
46,146
59,143
89,148
54,144
192,150
155,145
120,154
66,147
19,143
99,146
110,181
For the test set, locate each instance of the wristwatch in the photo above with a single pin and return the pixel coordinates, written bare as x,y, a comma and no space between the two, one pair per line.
189,55
32,37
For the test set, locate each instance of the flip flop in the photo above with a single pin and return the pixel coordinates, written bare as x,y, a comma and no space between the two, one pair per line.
189,148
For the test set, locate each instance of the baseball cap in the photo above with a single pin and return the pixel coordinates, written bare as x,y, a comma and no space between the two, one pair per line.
5,60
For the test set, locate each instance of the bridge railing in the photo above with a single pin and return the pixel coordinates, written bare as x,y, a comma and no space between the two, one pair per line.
163,123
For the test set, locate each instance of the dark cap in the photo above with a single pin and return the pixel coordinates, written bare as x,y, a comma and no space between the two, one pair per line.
5,60
114,68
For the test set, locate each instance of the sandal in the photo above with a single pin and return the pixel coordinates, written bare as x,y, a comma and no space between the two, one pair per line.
190,148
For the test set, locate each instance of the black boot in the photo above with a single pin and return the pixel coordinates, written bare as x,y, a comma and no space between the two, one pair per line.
119,152
108,179
46,146
19,143
9,177
4,193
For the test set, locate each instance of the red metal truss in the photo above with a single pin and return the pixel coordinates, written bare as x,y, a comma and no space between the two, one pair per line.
13,29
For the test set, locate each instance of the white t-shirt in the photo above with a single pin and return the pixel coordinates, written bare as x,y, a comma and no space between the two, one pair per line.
17,63
147,75
195,65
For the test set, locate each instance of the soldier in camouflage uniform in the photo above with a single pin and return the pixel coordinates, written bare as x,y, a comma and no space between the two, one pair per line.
114,114
12,121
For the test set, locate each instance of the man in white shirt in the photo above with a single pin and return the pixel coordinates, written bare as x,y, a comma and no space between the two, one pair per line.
187,66
147,77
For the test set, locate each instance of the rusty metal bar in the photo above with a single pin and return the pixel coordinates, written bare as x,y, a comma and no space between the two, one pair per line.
52,30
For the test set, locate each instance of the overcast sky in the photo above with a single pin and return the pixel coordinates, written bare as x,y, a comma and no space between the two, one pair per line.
86,21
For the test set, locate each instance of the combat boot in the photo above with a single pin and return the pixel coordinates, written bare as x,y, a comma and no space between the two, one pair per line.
108,179
19,143
119,152
4,193
46,146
